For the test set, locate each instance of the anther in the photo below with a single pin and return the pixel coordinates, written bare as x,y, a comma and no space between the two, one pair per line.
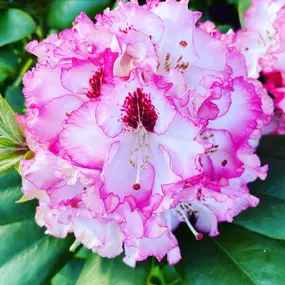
179,58
167,57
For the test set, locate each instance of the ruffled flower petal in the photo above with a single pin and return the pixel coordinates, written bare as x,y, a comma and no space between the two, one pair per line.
139,125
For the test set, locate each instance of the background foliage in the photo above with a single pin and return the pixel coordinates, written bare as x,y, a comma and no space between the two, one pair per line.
251,251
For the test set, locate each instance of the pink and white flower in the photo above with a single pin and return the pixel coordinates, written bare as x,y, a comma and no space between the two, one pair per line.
263,45
132,123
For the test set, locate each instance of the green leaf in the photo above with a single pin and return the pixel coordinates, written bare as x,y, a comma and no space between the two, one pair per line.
224,28
71,8
272,146
4,132
68,275
15,99
236,257
10,192
6,143
98,270
82,253
202,6
8,125
116,4
15,24
170,276
12,147
8,155
7,162
7,147
8,63
243,5
271,209
28,256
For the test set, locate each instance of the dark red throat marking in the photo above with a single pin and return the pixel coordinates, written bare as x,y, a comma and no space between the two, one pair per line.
95,83
274,79
139,111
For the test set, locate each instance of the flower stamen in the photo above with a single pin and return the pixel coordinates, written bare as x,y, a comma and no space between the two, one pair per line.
182,213
179,64
141,148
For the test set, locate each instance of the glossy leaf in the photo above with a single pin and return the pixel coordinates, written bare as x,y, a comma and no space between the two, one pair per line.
268,217
15,99
82,253
98,270
223,28
272,146
116,3
68,275
170,276
8,63
8,161
15,24
236,257
28,256
8,123
12,147
10,212
200,5
243,5
71,8
7,147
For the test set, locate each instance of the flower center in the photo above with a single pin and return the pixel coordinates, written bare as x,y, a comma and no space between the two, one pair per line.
184,210
140,118
95,83
139,111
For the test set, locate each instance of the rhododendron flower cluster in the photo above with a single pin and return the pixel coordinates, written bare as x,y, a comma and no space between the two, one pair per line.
139,122
262,42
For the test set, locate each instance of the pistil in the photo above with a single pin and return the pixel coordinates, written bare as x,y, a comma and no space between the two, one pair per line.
139,148
183,214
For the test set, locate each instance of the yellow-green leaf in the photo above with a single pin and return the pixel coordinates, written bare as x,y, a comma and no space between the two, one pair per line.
9,127
23,199
7,162
7,147
243,5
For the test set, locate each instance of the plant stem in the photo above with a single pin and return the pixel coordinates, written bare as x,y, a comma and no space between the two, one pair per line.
27,65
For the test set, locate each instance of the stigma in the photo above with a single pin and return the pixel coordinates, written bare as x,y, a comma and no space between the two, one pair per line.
183,211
